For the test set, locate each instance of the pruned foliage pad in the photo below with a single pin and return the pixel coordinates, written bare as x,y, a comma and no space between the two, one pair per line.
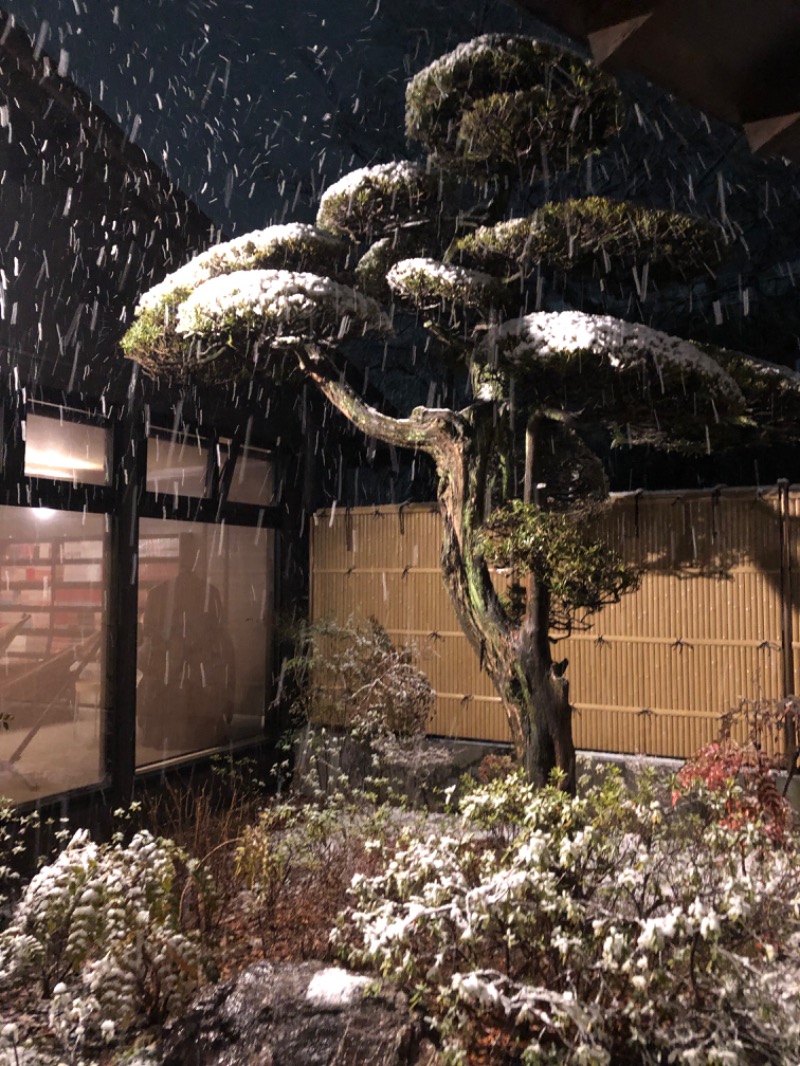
499,101
377,201
599,237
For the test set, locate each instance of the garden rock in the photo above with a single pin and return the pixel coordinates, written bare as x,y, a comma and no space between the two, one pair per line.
285,1014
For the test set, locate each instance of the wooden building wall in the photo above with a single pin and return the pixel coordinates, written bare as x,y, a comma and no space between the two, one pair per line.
716,619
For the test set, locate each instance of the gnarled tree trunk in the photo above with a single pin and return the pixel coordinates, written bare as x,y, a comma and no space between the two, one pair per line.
517,658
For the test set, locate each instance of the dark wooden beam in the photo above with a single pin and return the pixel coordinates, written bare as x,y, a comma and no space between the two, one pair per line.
610,39
12,445
735,59
579,18
130,451
779,135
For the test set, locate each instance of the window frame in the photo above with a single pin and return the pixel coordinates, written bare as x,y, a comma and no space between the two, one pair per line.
124,501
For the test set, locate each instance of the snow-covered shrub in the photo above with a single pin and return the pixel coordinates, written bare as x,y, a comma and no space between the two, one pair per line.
606,928
353,678
17,832
294,864
290,840
100,929
57,920
353,675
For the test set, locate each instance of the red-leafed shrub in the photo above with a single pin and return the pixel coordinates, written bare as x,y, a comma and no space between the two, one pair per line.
745,768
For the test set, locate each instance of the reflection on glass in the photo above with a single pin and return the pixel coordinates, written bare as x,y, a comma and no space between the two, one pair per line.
53,573
252,480
69,450
176,466
203,636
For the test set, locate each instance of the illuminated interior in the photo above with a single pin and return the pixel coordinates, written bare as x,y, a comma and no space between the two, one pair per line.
70,451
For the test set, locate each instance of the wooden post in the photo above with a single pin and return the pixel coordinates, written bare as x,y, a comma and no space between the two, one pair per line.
530,445
129,451
12,447
787,625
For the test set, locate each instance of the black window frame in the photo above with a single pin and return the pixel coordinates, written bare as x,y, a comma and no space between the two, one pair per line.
125,501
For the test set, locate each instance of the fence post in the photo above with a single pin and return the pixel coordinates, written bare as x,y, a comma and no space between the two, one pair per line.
129,451
787,635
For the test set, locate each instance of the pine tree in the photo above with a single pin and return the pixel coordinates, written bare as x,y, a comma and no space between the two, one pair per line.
520,464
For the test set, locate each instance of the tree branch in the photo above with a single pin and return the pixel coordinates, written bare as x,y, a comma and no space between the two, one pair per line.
425,428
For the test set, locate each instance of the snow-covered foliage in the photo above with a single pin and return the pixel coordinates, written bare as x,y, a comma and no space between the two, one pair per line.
282,305
375,200
333,987
594,930
544,335
374,265
772,391
17,830
426,280
293,246
100,929
498,98
154,341
354,676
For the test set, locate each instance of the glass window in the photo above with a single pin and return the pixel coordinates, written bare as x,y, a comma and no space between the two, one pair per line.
53,580
252,480
205,594
57,448
177,466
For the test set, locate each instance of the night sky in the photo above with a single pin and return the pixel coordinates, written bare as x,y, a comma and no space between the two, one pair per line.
252,109
252,106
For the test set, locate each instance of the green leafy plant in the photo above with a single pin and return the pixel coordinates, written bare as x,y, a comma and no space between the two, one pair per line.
581,573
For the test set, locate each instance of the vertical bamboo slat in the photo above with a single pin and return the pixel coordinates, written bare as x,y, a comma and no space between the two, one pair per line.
654,673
